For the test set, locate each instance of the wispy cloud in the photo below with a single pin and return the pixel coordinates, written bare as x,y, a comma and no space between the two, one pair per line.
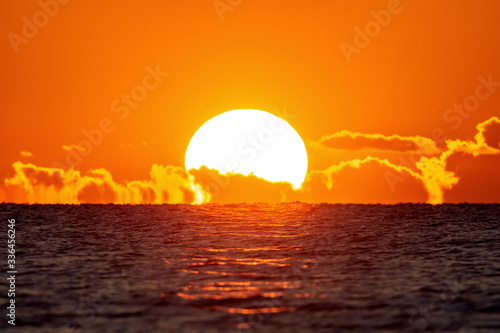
25,153
73,147
375,141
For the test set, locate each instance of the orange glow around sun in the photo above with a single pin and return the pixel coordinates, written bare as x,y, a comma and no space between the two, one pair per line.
385,101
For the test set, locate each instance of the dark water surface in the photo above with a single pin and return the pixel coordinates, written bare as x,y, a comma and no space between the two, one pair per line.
254,268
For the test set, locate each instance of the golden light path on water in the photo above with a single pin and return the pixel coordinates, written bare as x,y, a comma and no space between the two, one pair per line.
224,274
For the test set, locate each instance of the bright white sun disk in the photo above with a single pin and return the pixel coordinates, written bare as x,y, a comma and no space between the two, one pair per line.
249,141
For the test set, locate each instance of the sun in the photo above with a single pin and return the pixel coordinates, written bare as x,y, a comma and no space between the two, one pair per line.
249,141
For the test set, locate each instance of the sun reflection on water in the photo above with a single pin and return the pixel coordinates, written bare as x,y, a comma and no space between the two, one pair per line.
244,254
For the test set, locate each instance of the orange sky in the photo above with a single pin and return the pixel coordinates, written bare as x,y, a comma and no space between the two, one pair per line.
366,105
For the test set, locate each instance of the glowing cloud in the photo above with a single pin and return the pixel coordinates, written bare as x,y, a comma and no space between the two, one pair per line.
357,141
449,175
26,154
168,184
73,147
